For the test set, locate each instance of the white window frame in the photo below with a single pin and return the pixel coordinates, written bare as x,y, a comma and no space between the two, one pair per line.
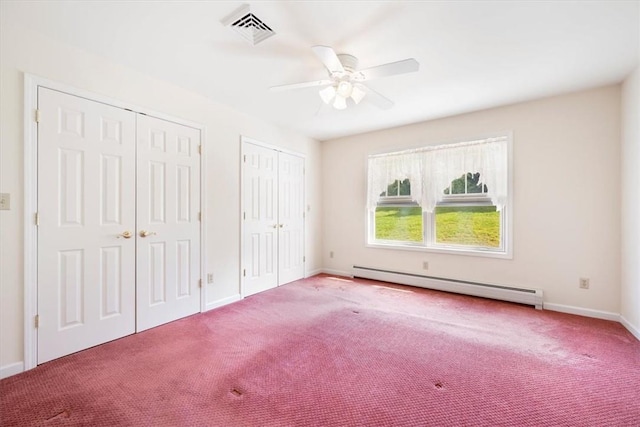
428,244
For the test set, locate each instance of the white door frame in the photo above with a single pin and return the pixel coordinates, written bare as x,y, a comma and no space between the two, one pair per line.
244,139
31,84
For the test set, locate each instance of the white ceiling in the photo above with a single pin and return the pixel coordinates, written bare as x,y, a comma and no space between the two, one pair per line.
473,55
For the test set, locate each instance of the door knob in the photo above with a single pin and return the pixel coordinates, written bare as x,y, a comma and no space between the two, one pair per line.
145,233
127,234
274,226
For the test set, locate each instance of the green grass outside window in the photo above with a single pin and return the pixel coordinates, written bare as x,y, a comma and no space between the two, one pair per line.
470,226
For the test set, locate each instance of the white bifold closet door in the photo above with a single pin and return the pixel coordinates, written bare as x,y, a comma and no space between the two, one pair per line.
101,265
273,218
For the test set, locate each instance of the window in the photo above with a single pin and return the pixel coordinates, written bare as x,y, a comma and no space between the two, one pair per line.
452,198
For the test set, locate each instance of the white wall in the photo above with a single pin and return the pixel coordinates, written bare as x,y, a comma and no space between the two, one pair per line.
630,291
566,199
22,51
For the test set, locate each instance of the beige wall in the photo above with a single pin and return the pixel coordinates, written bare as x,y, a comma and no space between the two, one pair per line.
566,199
22,51
630,291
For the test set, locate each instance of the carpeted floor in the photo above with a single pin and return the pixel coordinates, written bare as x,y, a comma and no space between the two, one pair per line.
330,351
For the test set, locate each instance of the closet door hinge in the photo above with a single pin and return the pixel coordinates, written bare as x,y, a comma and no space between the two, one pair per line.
244,215
36,321
37,219
244,273
199,283
304,259
199,149
199,216
37,116
245,158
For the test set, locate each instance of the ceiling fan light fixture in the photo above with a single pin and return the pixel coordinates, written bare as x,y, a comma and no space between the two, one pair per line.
345,81
340,103
344,89
357,94
327,94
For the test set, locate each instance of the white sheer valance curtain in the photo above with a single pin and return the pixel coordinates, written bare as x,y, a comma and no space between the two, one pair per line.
430,171
385,169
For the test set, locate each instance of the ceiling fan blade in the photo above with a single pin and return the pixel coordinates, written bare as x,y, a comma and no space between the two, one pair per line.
377,99
391,69
329,58
300,85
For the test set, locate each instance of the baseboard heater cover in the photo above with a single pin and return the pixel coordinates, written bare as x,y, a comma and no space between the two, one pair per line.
499,292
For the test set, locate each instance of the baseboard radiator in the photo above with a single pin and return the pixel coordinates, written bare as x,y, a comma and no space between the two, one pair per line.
499,292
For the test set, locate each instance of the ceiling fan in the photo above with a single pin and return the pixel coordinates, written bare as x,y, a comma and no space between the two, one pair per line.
346,81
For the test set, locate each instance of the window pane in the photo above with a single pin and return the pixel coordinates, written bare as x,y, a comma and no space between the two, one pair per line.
473,183
466,184
468,225
399,224
457,186
398,188
405,188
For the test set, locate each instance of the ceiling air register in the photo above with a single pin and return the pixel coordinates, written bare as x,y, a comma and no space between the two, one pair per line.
248,25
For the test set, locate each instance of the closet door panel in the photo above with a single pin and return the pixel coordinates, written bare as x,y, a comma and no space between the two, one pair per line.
168,227
260,219
291,218
86,204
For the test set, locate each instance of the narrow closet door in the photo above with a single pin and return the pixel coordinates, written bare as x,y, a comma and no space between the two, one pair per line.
259,219
290,218
168,227
86,232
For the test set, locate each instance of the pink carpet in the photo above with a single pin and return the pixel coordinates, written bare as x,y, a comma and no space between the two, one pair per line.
334,352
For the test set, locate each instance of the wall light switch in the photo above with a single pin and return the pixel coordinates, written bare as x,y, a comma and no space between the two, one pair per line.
5,201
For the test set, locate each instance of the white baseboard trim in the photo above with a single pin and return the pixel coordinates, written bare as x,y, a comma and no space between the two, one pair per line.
587,312
222,302
634,331
527,296
314,273
337,272
12,369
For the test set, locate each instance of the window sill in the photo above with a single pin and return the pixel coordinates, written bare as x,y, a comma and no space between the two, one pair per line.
442,250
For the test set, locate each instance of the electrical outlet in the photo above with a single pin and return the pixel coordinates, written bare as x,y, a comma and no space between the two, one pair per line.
331,254
584,283
425,265
5,201
209,277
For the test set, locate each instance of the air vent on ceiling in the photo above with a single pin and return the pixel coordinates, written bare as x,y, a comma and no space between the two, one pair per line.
248,25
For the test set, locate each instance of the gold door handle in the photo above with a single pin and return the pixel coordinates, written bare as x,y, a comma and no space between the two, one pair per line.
145,233
281,225
127,235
